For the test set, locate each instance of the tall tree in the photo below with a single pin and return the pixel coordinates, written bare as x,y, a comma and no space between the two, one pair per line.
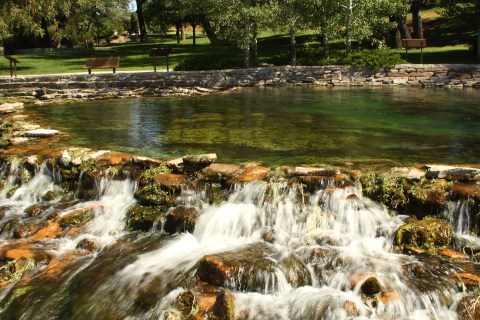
141,20
416,8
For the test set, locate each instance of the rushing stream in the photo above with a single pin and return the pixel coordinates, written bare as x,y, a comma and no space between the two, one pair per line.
302,255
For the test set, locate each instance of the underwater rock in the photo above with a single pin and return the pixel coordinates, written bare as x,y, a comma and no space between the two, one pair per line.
312,171
427,234
142,218
186,303
181,219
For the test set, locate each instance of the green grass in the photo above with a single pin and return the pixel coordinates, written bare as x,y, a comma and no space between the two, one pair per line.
448,41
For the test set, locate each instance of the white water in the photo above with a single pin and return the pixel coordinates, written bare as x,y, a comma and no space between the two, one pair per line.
356,232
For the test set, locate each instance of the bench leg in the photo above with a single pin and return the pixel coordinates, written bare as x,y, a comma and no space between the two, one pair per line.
89,71
114,70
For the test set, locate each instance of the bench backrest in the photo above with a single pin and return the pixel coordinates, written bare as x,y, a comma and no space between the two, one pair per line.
110,62
414,43
12,59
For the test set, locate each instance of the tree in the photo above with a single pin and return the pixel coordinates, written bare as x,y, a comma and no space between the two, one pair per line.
467,10
141,20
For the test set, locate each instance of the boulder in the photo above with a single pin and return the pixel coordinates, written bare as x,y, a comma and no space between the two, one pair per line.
252,173
152,195
427,234
371,287
453,173
28,228
250,268
88,245
312,171
221,173
79,216
213,302
404,172
181,219
35,210
170,181
50,231
142,218
199,160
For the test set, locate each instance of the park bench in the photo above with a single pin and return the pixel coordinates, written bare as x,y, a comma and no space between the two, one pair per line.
414,44
13,65
159,52
100,63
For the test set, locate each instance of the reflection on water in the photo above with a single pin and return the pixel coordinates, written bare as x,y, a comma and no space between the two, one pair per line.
285,125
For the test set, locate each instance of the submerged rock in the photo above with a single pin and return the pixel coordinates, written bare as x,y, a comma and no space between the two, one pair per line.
79,216
468,307
36,209
88,245
428,234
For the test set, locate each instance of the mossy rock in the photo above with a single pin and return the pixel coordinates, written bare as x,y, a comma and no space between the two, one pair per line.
35,210
371,287
186,303
181,219
142,218
78,217
152,195
428,234
223,308
28,228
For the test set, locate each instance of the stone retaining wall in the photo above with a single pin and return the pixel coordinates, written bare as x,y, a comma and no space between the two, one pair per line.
104,85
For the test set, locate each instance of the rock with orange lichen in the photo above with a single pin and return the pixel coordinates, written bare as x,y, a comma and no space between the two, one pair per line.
50,231
79,216
452,254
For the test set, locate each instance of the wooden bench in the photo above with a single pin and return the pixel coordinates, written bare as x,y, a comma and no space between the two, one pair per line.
414,44
13,65
100,63
159,52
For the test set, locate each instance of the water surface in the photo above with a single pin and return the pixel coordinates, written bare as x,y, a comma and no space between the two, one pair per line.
287,125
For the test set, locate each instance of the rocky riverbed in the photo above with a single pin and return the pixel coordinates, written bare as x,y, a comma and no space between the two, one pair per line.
105,235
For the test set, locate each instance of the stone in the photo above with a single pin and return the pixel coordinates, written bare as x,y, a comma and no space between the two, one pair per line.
200,160
28,228
469,280
50,231
88,245
221,173
181,219
468,308
142,218
371,287
152,195
186,303
426,234
41,133
404,172
313,171
252,173
35,210
171,181
453,254
224,307
79,216
453,173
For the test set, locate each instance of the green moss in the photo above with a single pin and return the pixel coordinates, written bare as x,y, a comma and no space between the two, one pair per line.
369,183
14,270
77,217
141,218
152,195
7,127
151,172
15,294
429,233
393,192
423,188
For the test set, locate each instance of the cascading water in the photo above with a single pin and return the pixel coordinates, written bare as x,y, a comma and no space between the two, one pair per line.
311,257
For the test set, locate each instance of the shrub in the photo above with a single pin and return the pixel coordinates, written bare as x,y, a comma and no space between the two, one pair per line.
377,59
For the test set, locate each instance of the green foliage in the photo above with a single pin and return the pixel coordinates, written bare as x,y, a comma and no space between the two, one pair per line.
377,59
7,127
151,172
393,192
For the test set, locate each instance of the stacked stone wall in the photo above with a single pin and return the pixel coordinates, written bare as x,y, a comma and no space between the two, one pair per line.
104,85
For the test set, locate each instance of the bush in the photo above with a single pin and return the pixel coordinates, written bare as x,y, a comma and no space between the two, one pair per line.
377,59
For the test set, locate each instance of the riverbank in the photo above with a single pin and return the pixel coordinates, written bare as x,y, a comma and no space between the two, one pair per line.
140,84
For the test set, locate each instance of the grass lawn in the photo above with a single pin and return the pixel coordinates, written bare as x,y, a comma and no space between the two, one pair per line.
447,42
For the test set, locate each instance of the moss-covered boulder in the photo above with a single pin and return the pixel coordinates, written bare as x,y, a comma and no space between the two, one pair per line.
152,195
79,216
142,218
181,219
186,303
88,245
468,307
429,233
35,210
28,228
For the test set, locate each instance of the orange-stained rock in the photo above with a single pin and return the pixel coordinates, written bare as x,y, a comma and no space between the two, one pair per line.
352,197
37,254
79,216
57,265
253,173
466,190
114,158
50,231
351,308
220,172
73,232
171,180
452,254
359,277
390,295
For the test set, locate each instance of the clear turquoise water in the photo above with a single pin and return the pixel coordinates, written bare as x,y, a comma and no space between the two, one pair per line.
287,125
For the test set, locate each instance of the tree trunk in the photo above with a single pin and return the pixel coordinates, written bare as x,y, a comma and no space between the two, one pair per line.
293,47
402,26
141,21
177,32
348,40
478,43
395,37
417,19
212,36
194,33
182,32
